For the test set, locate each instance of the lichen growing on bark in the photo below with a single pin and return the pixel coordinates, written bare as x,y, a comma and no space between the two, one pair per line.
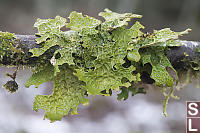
94,58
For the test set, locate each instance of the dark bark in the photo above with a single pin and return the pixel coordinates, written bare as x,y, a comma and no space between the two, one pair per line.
176,54
28,40
181,58
183,55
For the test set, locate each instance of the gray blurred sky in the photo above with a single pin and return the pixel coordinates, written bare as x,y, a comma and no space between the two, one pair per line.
18,16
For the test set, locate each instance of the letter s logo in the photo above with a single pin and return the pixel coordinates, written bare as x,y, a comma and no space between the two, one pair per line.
193,107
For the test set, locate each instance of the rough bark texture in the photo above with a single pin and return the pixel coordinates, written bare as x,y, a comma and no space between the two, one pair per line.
189,51
28,40
181,58
175,54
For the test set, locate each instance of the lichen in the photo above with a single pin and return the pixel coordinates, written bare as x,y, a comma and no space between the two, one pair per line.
6,44
95,58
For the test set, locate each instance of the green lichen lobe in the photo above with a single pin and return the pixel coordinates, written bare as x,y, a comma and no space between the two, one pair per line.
6,43
95,57
68,92
12,51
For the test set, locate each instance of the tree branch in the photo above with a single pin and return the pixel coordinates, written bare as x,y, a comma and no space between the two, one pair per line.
188,52
181,57
175,54
28,40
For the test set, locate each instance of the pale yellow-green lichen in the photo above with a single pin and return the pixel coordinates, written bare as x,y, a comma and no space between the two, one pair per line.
96,57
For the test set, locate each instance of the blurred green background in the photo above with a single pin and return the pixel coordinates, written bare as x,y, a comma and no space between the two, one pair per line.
139,114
